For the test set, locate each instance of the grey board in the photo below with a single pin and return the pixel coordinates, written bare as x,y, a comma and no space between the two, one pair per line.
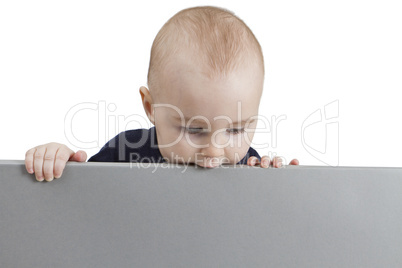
124,215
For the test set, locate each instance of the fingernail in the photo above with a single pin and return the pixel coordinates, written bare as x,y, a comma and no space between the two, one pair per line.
39,178
264,163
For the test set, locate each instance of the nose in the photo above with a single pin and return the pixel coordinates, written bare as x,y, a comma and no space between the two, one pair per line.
212,151
215,147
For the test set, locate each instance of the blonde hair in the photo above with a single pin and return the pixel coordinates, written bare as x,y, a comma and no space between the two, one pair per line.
217,39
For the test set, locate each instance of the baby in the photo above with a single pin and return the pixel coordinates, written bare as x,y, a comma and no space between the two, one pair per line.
205,82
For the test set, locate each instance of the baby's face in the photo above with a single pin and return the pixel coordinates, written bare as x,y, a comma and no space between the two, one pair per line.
206,121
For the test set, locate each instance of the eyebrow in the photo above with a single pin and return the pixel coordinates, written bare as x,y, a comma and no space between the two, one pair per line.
200,121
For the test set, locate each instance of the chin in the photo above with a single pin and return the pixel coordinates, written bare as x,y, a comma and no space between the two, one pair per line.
208,165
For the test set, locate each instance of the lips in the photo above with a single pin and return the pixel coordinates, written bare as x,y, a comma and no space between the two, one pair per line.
210,163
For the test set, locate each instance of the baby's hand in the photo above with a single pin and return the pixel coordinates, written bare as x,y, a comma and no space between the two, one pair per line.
48,160
266,162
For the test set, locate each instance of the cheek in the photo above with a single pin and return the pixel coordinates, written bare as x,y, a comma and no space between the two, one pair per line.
241,141
167,134
250,131
176,147
196,141
238,148
249,138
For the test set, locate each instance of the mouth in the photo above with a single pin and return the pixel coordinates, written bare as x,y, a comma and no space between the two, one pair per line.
210,163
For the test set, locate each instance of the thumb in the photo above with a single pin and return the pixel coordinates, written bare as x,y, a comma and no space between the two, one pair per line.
79,156
294,162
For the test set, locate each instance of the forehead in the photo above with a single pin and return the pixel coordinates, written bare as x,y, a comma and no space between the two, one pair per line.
191,89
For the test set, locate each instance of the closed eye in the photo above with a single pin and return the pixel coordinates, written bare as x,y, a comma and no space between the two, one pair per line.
200,130
235,131
194,130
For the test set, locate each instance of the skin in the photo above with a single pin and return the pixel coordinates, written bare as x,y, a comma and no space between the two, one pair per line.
197,119
204,112
48,161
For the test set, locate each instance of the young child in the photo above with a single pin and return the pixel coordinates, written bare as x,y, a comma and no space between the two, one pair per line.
205,82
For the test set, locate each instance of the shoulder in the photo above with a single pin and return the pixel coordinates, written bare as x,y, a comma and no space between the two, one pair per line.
251,152
135,135
122,147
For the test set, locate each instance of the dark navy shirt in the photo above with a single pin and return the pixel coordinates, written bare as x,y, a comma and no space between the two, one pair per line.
139,146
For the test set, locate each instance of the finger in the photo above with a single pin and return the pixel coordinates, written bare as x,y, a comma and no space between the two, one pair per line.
277,162
38,162
79,156
48,161
252,161
294,162
29,159
63,154
265,161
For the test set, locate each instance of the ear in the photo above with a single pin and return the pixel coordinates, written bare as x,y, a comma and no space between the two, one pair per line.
147,102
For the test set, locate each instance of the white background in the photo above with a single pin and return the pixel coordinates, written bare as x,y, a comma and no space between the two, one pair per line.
57,54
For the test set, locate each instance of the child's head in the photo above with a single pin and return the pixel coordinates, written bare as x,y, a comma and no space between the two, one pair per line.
205,82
